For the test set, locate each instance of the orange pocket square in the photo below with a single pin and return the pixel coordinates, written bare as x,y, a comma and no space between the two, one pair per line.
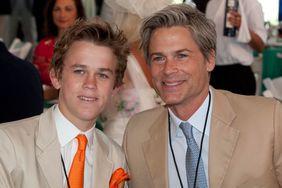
119,176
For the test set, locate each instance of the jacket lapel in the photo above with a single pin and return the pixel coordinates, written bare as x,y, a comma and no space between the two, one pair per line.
156,153
102,165
48,150
223,139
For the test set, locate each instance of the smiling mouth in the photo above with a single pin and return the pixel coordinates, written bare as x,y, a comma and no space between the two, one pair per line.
171,84
88,98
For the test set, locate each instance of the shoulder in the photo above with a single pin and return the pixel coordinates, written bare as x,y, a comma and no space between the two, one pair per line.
213,5
16,130
250,2
46,42
246,106
149,114
245,100
26,69
16,138
251,5
141,122
44,48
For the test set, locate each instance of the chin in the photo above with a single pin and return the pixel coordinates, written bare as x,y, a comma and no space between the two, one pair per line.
172,100
88,116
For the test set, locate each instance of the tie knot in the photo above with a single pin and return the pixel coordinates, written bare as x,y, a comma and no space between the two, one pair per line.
186,129
82,141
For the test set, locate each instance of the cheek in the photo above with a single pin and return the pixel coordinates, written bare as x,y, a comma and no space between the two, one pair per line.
73,15
155,71
106,89
55,16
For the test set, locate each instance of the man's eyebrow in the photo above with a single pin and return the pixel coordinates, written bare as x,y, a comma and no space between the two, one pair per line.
177,51
183,50
106,70
78,66
99,69
155,53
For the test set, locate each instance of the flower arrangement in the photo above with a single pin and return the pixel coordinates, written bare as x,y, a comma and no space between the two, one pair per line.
128,102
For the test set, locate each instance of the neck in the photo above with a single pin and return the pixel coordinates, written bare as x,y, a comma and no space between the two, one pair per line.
60,33
83,125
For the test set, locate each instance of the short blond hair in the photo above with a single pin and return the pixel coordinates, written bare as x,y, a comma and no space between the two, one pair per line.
100,33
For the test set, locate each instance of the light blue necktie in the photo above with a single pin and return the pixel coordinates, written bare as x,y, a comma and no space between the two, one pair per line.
192,155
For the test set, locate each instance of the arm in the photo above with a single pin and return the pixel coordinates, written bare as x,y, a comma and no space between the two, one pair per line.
5,179
256,42
278,142
7,161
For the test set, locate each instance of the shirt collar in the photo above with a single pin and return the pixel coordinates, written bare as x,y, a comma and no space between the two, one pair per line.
67,131
197,120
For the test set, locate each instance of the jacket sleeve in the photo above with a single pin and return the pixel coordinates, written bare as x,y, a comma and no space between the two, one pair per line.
278,141
5,179
7,161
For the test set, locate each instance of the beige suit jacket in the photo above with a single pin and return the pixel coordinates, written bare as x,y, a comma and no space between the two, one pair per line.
245,144
30,155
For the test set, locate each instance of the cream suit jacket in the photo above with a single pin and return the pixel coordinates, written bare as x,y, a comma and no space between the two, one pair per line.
30,155
245,144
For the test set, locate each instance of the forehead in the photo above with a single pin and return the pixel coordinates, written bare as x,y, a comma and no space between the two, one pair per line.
90,54
171,38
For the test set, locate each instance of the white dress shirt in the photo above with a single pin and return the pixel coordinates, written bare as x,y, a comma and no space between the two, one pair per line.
67,133
179,145
231,50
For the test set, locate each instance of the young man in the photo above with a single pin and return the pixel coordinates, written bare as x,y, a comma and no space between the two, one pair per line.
42,151
203,137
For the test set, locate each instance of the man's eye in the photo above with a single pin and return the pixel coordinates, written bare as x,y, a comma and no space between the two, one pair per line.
181,56
158,59
103,76
78,71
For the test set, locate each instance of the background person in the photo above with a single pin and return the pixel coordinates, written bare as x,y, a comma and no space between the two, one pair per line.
234,55
60,14
21,93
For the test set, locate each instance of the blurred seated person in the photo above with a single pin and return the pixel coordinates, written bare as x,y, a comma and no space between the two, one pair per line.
59,15
136,93
21,93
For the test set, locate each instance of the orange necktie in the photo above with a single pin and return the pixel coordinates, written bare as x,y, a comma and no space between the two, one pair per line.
76,174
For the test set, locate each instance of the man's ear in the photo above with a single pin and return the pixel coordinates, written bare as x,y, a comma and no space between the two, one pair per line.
211,61
54,79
